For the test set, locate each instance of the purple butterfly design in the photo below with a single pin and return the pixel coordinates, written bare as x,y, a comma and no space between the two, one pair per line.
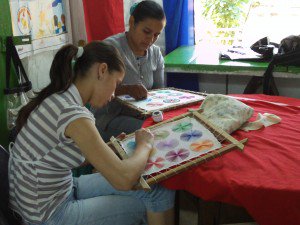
175,156
165,145
187,97
191,135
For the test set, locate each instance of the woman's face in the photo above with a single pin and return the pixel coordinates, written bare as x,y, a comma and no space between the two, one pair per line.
105,86
144,33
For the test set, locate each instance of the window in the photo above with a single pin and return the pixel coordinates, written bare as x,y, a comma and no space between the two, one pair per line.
243,22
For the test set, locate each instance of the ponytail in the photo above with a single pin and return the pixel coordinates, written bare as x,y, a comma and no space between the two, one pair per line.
62,75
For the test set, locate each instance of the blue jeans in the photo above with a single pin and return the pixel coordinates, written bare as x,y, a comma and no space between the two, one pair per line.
95,202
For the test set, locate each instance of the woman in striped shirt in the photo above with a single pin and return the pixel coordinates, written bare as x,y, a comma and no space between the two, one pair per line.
56,133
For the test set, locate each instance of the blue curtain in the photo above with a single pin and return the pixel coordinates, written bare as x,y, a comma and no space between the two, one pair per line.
180,31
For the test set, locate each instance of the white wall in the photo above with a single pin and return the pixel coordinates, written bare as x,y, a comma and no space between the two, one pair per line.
217,84
37,68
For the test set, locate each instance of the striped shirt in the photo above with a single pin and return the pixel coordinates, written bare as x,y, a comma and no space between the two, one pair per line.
40,176
147,70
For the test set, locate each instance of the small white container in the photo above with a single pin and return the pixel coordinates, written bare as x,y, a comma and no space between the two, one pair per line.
157,116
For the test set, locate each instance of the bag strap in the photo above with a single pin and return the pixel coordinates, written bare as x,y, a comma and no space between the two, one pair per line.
12,54
288,59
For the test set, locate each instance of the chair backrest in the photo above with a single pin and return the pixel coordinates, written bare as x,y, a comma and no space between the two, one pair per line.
3,185
4,179
5,211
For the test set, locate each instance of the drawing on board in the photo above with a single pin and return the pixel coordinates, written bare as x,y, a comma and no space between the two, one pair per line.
43,21
162,99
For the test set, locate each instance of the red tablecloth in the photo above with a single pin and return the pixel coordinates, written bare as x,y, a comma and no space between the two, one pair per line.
265,178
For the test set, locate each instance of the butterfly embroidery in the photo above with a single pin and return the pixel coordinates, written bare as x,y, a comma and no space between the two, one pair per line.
187,97
158,162
161,134
191,135
165,145
182,127
202,145
175,156
171,100
153,104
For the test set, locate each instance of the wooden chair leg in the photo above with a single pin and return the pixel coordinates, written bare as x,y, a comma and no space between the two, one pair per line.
208,212
177,207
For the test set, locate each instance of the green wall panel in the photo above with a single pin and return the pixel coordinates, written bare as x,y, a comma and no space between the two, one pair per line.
5,30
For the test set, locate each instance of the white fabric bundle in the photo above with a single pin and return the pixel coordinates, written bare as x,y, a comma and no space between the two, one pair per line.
226,112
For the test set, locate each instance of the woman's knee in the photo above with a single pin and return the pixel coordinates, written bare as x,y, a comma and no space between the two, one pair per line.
159,199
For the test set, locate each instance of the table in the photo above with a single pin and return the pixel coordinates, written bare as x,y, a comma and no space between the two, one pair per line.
205,60
265,178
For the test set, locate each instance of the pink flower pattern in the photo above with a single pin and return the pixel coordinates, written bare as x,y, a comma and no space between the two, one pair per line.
171,100
175,156
153,104
187,97
167,144
158,163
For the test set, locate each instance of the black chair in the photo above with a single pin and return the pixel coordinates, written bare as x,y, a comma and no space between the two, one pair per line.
7,217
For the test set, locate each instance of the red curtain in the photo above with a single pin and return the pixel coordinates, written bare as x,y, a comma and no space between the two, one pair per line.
103,18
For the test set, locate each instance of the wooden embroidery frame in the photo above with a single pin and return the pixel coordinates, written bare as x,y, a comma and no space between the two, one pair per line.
142,113
230,144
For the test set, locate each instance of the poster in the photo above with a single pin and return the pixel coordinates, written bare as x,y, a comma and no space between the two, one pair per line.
43,20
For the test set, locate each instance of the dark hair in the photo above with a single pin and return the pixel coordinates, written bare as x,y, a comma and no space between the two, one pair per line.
62,75
147,9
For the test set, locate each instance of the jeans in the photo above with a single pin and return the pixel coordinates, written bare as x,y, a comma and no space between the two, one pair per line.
94,201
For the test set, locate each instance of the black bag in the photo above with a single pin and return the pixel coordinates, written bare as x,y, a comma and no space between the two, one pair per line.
291,58
289,44
16,97
260,51
288,55
265,48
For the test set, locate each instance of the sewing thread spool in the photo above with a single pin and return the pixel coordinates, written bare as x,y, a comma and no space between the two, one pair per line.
157,116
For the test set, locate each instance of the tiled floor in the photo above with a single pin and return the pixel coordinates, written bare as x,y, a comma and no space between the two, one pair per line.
188,217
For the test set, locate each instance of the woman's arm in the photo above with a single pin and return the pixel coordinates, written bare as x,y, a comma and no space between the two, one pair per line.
158,74
122,174
137,91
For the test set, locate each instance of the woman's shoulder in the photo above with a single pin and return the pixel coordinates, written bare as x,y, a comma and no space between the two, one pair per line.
155,53
155,49
116,39
64,100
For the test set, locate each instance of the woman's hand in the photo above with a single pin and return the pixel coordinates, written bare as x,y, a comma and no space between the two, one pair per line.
144,139
137,91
